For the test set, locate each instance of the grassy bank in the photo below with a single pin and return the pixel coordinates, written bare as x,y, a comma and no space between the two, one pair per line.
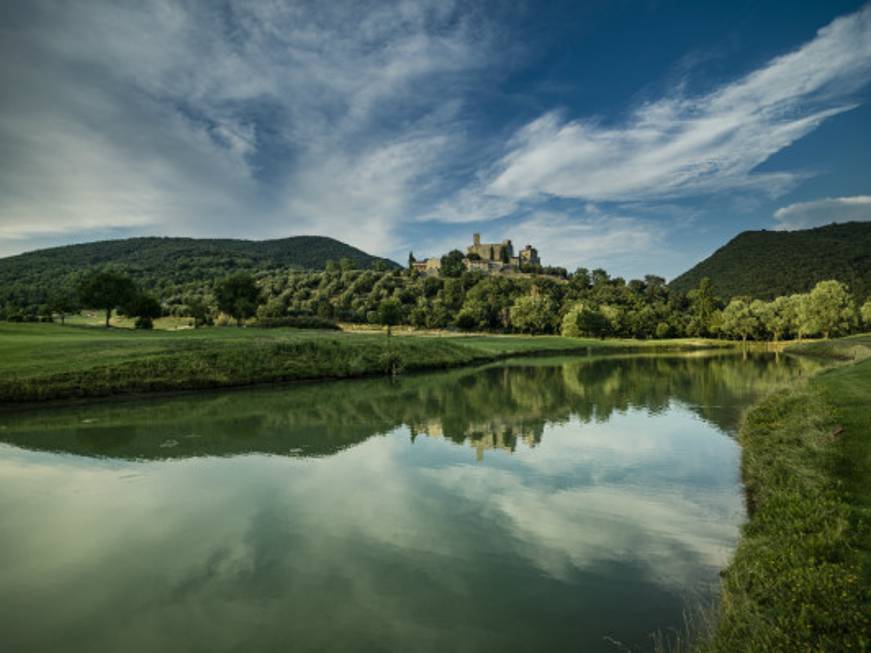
799,578
48,361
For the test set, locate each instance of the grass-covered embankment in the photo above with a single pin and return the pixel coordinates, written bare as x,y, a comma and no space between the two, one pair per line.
48,361
799,580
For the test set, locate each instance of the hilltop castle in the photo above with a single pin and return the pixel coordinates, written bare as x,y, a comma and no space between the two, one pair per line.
487,257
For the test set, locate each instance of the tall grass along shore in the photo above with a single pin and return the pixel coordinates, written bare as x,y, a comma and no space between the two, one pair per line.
799,580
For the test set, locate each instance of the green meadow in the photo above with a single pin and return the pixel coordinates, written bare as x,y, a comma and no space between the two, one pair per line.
49,361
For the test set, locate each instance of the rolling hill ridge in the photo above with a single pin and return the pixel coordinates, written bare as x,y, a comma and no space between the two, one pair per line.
765,264
158,262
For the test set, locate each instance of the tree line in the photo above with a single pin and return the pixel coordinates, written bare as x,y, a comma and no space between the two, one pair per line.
580,304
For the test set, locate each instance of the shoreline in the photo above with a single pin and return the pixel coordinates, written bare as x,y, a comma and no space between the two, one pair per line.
610,352
220,359
799,577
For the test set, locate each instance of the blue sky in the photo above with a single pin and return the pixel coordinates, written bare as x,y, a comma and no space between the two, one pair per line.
634,136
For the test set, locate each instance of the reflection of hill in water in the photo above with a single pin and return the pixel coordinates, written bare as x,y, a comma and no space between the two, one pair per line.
492,407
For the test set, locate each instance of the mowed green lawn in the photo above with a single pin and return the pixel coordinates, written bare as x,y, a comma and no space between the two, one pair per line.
48,348
848,390
27,349
47,361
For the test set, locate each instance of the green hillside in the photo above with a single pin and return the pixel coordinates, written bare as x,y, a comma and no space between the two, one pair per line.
766,264
163,262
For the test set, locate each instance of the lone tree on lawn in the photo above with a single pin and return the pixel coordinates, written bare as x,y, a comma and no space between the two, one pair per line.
238,296
389,313
144,307
106,290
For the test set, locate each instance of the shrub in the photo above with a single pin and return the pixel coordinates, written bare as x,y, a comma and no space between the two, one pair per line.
466,320
390,361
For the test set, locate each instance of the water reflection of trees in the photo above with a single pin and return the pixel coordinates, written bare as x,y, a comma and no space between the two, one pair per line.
494,407
717,387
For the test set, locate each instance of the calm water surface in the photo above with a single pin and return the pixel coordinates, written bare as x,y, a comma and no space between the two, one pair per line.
536,505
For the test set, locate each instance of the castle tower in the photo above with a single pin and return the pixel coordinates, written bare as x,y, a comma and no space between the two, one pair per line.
476,239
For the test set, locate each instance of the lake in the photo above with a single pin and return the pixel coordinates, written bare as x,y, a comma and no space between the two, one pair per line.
533,505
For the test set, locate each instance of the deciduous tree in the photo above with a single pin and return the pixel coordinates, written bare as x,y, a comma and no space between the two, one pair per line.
238,296
582,320
738,320
62,301
703,303
533,313
831,308
106,290
389,313
866,313
144,307
452,264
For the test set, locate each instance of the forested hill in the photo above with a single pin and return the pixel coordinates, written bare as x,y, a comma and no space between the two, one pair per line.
158,261
765,264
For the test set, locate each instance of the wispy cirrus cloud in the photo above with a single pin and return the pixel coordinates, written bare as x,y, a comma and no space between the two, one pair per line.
591,237
376,123
237,119
677,146
803,215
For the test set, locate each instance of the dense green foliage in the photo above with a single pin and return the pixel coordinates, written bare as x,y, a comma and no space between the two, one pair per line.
238,296
581,304
165,266
827,310
389,313
105,290
539,304
767,264
144,307
452,264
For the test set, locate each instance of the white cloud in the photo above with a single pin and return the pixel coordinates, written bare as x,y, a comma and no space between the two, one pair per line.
252,120
353,120
624,238
803,215
593,238
471,204
686,146
373,191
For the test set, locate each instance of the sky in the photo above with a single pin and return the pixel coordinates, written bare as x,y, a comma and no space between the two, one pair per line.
637,136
